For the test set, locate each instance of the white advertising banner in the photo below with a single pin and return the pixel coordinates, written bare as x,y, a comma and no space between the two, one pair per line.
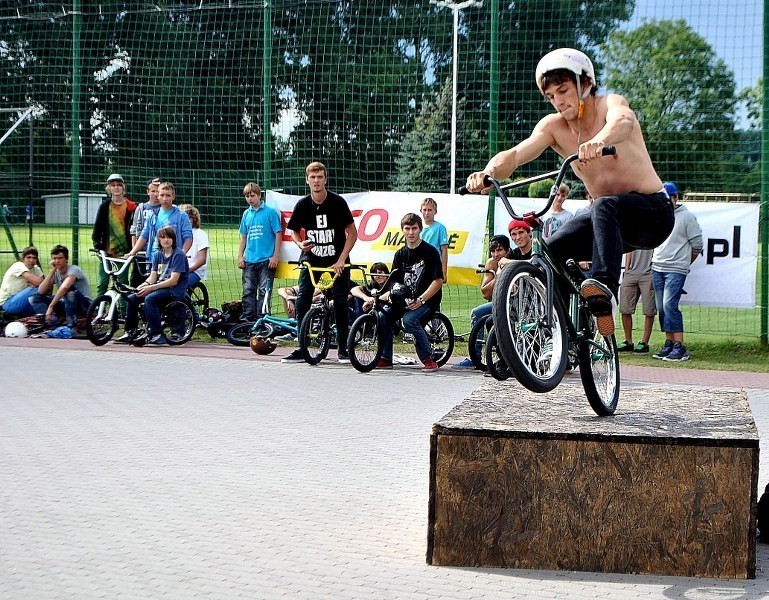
378,215
725,274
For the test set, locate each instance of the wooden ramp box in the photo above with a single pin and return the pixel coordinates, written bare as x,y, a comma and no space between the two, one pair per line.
667,486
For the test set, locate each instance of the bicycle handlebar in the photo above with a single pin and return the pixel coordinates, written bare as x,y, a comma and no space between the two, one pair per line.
109,262
559,176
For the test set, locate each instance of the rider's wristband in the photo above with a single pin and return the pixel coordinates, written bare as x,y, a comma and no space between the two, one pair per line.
422,300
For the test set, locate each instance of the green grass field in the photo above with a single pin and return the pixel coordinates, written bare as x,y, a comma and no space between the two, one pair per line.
718,338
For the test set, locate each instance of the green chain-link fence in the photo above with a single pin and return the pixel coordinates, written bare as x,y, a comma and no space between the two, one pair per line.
214,94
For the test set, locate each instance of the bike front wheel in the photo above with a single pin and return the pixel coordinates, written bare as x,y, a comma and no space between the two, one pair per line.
364,344
101,320
599,368
440,334
536,352
178,322
315,335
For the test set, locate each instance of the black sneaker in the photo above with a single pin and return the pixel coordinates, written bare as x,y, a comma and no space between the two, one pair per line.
295,357
343,357
123,339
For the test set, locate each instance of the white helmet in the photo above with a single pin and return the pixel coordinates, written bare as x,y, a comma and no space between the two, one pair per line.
16,329
570,59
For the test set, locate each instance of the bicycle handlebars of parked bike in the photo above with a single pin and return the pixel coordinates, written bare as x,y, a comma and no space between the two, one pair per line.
559,175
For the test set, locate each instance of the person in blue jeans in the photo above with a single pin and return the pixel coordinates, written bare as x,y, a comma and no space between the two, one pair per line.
631,211
20,283
167,281
499,246
421,272
261,234
670,266
74,291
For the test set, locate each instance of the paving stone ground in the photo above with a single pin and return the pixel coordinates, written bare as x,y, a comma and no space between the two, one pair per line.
208,472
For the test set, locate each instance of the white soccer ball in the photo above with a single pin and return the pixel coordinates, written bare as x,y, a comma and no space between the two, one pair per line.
17,329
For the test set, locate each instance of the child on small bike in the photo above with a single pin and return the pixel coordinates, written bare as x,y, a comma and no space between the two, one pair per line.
377,282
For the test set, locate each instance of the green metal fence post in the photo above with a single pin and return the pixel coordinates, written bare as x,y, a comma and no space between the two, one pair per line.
75,136
763,279
267,99
493,98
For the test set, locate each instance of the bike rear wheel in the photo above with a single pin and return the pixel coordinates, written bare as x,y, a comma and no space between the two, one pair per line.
99,325
315,335
599,368
476,346
178,322
364,344
240,334
496,365
537,354
440,334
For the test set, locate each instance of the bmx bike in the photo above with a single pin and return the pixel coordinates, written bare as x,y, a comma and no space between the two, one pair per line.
542,324
104,315
267,326
365,343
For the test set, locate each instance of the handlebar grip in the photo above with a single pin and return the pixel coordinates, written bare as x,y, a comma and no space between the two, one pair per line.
487,182
609,151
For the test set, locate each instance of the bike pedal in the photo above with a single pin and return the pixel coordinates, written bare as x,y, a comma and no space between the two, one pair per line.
572,268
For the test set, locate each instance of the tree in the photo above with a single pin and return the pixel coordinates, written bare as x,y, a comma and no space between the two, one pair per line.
753,100
683,95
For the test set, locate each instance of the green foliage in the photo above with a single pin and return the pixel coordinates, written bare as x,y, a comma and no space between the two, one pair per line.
541,189
683,95
753,99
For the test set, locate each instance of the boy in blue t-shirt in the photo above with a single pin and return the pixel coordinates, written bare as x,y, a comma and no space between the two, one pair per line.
261,235
434,233
167,281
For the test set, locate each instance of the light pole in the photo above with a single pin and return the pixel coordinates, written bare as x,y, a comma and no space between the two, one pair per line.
455,7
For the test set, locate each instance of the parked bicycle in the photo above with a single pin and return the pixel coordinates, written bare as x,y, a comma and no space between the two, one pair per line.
105,314
317,331
365,343
540,318
266,327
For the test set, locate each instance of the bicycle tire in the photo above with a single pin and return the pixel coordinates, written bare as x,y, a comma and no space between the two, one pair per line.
365,344
495,364
98,328
178,319
440,334
315,335
476,345
599,368
198,295
537,355
240,334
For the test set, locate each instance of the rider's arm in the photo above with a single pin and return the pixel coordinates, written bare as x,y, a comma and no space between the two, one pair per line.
359,292
620,123
140,241
487,284
33,279
46,286
433,289
275,258
64,287
504,163
242,252
199,260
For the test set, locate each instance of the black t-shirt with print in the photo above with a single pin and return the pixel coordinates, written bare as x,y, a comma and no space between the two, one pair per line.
425,267
516,254
324,225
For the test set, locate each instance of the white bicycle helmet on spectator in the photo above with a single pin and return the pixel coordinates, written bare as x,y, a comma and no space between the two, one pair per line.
570,59
16,329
